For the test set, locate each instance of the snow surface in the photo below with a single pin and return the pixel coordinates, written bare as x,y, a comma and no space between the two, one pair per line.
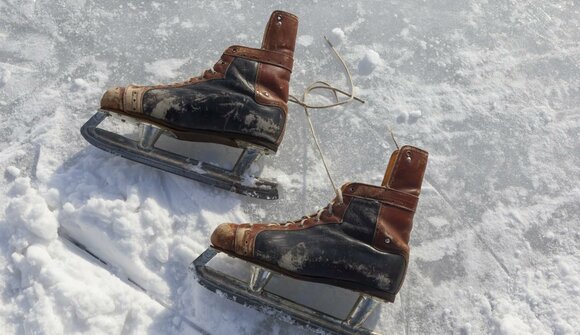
490,88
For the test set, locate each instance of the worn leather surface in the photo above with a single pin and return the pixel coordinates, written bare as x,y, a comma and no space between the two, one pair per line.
280,33
404,174
263,90
328,251
374,222
113,99
408,170
223,105
278,59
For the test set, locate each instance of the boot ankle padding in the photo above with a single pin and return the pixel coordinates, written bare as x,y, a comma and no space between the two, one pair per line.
280,33
406,170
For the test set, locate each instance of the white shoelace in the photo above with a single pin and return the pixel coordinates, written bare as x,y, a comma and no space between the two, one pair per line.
321,85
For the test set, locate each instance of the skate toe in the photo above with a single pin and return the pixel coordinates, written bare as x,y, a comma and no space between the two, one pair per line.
113,99
224,236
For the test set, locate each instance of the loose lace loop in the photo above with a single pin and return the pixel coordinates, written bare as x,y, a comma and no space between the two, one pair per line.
322,85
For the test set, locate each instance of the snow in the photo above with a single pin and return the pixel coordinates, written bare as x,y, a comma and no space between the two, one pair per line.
490,89
337,36
164,68
369,62
305,40
13,171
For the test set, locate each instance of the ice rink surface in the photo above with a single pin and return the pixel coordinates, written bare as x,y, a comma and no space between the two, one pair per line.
490,88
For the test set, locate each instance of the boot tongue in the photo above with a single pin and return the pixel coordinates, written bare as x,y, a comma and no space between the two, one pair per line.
406,169
280,34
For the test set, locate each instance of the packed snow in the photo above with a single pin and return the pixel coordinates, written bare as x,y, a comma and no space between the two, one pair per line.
490,88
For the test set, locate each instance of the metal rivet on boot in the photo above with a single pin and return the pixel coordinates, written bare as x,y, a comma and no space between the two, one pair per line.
266,93
279,18
408,153
387,240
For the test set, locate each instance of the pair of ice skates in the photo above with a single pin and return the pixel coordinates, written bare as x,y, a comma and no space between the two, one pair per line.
358,242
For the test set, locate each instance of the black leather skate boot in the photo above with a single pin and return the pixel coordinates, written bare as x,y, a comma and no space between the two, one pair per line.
360,244
240,102
242,98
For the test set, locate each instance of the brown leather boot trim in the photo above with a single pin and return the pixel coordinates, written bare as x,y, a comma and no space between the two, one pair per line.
264,56
390,167
272,89
383,194
408,171
393,230
133,98
279,34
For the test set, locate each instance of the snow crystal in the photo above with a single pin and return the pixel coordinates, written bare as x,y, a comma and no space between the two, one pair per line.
402,116
369,62
337,36
13,171
305,40
31,211
52,198
160,251
165,68
512,325
5,75
183,254
415,114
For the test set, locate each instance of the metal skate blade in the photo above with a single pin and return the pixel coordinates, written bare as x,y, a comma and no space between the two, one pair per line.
270,301
231,180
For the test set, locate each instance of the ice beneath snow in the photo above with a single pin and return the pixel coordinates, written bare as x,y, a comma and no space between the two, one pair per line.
490,88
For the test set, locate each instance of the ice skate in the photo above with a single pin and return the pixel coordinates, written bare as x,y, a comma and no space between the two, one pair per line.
241,102
358,242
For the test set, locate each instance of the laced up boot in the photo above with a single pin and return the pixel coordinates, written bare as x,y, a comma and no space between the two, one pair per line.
242,98
360,241
241,102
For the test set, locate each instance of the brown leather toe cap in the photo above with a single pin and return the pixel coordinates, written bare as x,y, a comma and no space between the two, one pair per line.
224,236
113,99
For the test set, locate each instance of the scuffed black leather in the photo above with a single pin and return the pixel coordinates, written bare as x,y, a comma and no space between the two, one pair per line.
360,218
223,105
335,251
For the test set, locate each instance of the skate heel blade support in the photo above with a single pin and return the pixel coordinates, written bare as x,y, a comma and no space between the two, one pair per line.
254,294
248,156
259,278
149,134
144,151
362,309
